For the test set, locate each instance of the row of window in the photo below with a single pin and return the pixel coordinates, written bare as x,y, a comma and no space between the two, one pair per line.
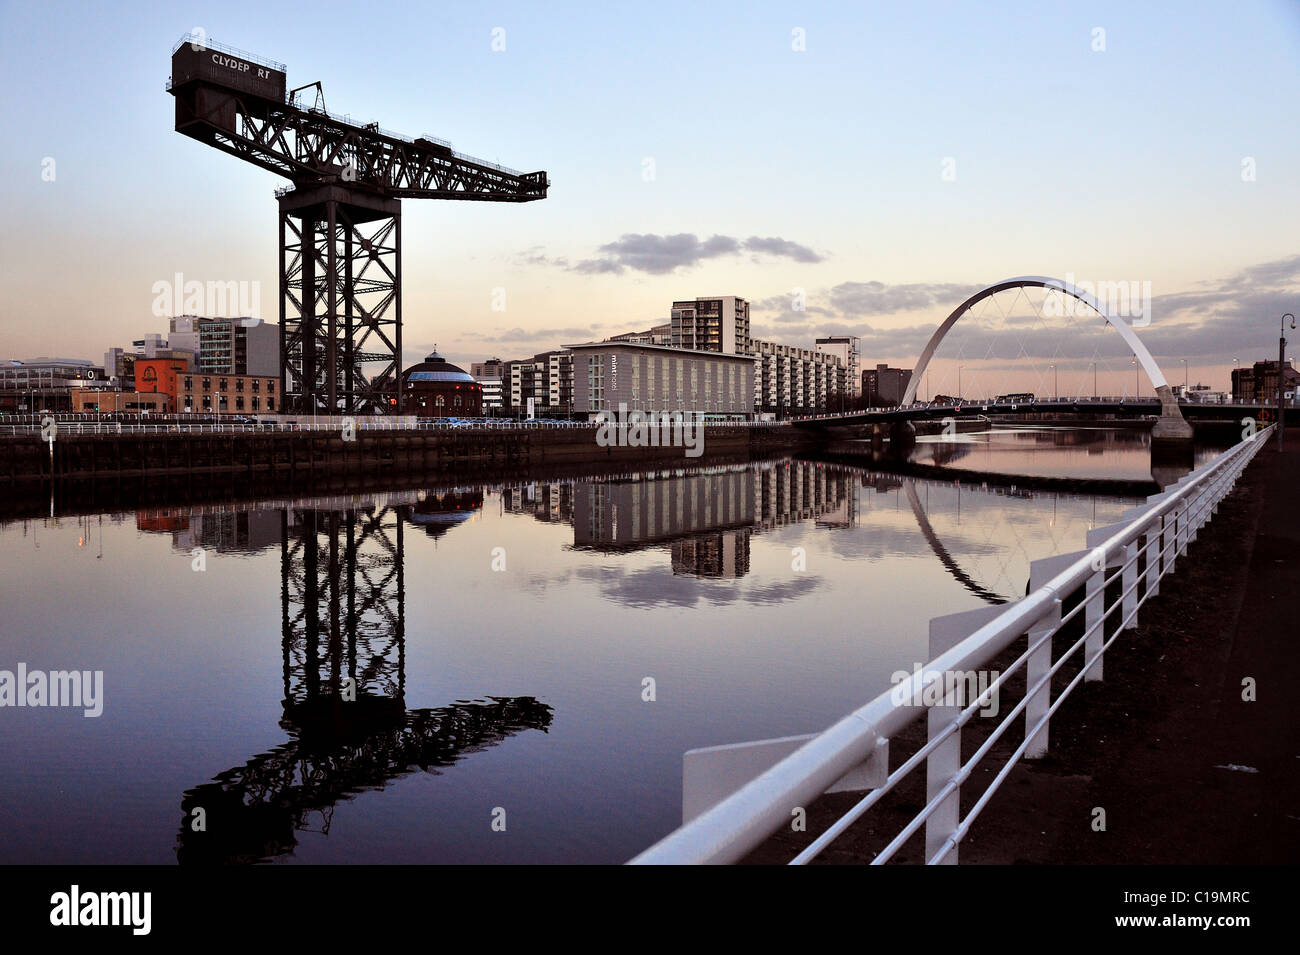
223,385
223,403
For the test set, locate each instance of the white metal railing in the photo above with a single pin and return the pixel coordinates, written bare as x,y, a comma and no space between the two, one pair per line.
1139,550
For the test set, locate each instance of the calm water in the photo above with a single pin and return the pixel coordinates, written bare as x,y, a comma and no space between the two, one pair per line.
498,637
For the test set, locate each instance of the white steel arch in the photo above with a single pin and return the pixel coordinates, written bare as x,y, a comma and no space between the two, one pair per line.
1126,332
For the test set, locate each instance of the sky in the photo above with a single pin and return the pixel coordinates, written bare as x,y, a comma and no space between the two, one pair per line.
878,161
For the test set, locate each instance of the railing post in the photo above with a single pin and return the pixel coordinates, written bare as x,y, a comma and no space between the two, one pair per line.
1036,668
1182,528
1128,585
940,767
1094,609
1151,543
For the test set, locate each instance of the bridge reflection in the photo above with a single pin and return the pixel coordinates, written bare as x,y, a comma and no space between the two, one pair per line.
343,629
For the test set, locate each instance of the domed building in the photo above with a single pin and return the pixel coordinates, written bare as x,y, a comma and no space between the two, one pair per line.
435,388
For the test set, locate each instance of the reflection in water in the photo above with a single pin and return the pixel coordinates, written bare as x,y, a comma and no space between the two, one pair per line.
386,612
343,599
1116,454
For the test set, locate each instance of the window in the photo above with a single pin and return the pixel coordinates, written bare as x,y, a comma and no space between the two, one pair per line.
457,401
255,401
207,384
270,388
239,403
189,384
221,385
257,384
239,385
270,404
441,402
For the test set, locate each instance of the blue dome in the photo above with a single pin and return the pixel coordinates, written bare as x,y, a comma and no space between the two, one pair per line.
437,368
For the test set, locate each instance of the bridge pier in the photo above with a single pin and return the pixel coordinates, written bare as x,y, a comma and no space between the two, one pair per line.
902,437
877,437
1171,437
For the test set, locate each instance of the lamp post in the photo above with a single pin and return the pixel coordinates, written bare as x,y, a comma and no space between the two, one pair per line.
1134,363
1184,361
959,368
1056,390
1281,356
1094,380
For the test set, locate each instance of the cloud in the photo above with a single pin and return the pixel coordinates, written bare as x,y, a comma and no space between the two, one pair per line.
512,335
663,254
781,247
876,298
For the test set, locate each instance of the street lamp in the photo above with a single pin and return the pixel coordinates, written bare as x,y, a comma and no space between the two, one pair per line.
1281,357
1184,361
1056,390
1094,380
1134,363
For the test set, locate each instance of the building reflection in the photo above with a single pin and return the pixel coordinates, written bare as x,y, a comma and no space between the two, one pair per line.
705,517
343,632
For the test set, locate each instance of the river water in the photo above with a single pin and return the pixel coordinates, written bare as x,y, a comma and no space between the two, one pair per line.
500,673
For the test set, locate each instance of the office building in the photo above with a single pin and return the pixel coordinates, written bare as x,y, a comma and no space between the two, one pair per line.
1258,383
884,387
46,384
238,346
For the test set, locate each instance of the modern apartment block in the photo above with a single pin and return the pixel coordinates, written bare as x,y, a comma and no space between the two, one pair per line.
845,348
714,323
656,335
791,380
547,378
884,386
656,378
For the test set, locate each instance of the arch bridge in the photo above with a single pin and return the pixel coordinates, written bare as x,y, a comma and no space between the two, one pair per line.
1170,426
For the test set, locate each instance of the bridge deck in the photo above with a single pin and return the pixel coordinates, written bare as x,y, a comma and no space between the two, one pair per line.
1085,407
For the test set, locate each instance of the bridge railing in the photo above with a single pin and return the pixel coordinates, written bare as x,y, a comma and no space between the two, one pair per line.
1110,581
326,424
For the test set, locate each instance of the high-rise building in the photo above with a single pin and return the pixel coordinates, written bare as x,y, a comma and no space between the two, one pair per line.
884,386
845,348
714,323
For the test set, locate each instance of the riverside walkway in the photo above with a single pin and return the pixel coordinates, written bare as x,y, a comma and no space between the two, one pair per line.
1185,769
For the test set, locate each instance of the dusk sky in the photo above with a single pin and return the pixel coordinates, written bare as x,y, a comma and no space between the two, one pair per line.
904,156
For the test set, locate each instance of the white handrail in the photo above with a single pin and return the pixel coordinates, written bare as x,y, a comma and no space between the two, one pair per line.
739,823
